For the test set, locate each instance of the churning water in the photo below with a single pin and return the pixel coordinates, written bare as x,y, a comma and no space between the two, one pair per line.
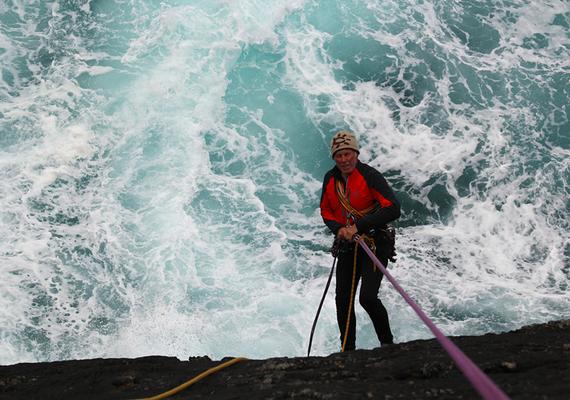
161,166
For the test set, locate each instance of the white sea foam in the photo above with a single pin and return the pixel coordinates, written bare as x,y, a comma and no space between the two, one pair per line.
482,241
162,197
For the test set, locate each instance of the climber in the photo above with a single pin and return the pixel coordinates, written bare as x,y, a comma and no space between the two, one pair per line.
357,199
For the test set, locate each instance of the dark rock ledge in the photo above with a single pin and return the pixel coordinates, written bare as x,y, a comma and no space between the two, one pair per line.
530,363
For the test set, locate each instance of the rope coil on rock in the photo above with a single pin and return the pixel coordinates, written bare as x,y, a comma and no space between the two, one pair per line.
197,378
478,379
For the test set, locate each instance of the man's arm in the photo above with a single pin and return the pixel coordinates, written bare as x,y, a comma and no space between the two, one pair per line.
326,211
389,209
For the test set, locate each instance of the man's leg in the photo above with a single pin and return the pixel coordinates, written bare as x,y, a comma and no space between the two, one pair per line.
343,286
371,279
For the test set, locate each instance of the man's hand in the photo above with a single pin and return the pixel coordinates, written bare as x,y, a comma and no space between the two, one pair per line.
347,233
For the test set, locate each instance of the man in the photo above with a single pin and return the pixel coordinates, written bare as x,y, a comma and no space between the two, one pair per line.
356,199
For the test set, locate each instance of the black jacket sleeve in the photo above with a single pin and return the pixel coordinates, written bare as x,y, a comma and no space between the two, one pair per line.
382,192
333,225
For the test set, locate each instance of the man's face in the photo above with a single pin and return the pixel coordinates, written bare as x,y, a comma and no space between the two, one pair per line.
346,160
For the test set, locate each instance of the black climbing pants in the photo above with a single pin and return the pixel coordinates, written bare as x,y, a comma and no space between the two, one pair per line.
371,278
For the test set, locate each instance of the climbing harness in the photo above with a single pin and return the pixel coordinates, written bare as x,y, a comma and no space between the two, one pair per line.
197,378
480,381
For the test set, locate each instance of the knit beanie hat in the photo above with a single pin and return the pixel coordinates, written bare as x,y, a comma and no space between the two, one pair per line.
344,140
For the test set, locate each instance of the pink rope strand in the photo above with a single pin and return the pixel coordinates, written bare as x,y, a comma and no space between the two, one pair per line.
480,381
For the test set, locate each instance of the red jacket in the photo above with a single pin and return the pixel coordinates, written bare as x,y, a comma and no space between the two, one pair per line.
364,187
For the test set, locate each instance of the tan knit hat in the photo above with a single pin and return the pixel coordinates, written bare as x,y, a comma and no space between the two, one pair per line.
344,140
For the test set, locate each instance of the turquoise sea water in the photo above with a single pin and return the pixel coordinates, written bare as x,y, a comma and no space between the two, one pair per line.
161,166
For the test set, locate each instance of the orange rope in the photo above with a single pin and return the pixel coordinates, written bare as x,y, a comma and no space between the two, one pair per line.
347,206
372,245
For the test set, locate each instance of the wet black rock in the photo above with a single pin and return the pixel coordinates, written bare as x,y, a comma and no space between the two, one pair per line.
530,363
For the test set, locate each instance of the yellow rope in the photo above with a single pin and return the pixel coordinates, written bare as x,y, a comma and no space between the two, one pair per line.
351,298
372,246
197,378
348,207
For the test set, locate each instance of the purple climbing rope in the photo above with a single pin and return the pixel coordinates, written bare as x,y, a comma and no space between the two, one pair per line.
480,381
